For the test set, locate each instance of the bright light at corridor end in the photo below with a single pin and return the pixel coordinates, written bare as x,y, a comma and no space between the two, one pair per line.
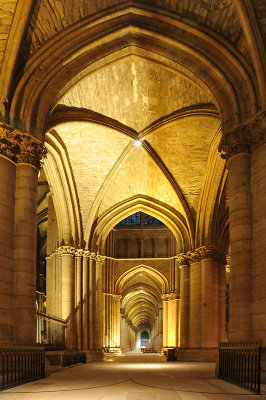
138,143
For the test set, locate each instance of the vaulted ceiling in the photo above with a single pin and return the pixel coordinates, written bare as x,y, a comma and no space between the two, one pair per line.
96,75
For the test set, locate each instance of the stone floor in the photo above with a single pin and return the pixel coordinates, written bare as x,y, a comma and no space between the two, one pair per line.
133,376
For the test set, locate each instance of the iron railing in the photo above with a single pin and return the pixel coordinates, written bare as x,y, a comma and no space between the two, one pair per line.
240,363
71,359
51,331
20,364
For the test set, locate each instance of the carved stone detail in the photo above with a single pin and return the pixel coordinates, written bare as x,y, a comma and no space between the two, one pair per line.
117,297
20,147
170,296
212,252
9,143
194,256
234,142
86,254
182,259
244,139
31,151
66,250
99,258
79,252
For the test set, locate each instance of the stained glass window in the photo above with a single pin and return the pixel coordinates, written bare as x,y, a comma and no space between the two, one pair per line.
133,219
149,220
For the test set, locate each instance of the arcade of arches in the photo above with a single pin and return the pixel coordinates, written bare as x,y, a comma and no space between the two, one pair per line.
133,169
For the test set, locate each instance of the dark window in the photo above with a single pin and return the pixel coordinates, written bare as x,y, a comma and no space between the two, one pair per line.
149,220
133,219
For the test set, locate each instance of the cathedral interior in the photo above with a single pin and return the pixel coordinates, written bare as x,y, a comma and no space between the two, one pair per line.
132,175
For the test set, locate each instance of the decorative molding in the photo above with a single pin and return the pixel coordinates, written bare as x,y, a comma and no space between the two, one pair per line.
117,297
20,147
212,252
99,258
244,139
170,296
194,256
9,143
86,253
79,252
66,250
183,260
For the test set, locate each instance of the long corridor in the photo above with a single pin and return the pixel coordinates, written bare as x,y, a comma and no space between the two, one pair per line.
133,376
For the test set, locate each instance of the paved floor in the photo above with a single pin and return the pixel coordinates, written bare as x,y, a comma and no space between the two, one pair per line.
132,377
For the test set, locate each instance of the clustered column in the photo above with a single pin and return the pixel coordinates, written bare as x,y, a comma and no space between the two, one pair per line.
245,150
202,298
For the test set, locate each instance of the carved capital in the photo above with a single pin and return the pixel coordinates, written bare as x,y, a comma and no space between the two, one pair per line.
234,142
31,151
170,296
244,139
79,252
117,297
212,252
182,260
194,256
86,254
66,250
9,142
99,258
20,147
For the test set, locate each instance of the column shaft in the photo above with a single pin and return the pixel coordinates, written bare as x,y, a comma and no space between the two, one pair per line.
79,301
85,289
25,254
210,303
165,323
184,305
98,310
222,302
7,207
240,247
91,301
258,181
195,305
68,297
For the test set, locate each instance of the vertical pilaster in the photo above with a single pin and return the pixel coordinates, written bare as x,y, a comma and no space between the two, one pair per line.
184,300
117,299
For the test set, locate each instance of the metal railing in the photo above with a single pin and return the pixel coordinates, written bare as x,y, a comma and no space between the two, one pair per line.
71,359
51,331
20,364
240,363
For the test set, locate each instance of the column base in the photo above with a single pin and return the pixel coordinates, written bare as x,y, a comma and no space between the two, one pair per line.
197,354
113,350
93,355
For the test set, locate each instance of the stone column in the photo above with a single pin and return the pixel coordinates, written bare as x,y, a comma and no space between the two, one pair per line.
210,297
68,292
25,230
222,300
91,299
258,186
78,302
173,314
161,325
117,299
98,305
8,159
165,320
195,300
235,148
184,300
85,305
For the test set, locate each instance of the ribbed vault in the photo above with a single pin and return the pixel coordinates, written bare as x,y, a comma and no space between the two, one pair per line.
141,288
